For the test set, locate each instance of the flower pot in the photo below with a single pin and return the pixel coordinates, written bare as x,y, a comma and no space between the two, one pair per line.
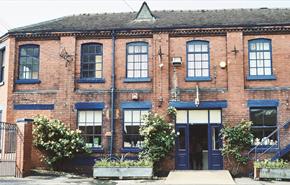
120,172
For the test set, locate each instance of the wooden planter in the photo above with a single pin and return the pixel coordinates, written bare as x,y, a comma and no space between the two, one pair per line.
120,172
268,173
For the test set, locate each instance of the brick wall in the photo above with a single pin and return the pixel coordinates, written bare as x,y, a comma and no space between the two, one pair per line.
59,81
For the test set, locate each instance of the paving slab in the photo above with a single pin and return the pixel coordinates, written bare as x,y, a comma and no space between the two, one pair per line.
199,177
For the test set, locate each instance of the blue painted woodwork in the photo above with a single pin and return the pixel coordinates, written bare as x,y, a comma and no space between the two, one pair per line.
263,103
136,105
202,104
89,105
27,81
33,106
182,154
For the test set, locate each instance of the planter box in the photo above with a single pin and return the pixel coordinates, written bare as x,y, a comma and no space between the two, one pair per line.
120,172
268,173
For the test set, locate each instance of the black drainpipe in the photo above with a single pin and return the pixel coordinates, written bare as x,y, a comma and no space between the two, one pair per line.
113,94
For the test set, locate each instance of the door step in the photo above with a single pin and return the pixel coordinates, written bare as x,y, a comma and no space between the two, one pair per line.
199,177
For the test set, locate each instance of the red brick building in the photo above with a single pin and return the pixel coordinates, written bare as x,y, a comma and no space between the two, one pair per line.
100,72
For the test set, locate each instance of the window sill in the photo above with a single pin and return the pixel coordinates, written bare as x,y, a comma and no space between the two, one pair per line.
28,81
197,79
263,148
270,77
97,149
136,80
1,84
131,150
91,80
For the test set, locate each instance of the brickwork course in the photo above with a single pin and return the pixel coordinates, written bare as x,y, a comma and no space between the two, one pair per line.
227,31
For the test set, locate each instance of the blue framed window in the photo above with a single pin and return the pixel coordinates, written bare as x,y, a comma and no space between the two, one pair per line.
137,60
198,60
264,123
132,122
90,124
28,62
2,55
91,61
260,59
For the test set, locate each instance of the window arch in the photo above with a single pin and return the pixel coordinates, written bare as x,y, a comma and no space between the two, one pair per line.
28,62
91,60
198,60
137,60
260,57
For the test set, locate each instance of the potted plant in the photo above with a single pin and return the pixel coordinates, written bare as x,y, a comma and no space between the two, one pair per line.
119,168
278,169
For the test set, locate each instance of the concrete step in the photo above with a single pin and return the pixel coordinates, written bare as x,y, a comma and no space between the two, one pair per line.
199,177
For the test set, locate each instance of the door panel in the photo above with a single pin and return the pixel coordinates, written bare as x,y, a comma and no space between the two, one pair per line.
215,145
182,147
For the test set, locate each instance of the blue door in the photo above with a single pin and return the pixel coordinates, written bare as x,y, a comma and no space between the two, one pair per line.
182,160
215,159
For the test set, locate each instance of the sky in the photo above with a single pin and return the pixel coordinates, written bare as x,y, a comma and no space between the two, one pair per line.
17,13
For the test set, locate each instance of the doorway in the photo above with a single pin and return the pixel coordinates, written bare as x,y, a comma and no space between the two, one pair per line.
198,147
198,142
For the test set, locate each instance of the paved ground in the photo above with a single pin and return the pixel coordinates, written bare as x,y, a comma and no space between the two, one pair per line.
200,177
77,180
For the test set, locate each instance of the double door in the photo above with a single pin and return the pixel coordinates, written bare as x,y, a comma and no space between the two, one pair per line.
212,118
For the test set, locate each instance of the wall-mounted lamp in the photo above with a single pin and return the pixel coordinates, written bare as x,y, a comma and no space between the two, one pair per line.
223,64
176,61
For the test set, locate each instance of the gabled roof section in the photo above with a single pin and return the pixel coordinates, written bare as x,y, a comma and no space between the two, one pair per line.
145,14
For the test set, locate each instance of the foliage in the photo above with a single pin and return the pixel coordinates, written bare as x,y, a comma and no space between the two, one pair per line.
159,137
271,164
123,163
237,140
171,111
56,141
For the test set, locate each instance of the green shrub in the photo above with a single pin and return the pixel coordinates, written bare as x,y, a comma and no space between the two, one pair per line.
159,137
56,141
237,140
271,164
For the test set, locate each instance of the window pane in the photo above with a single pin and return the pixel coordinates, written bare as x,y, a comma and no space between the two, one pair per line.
98,58
131,49
252,55
270,117
266,46
190,72
144,49
128,116
132,129
190,64
181,139
130,58
253,71
133,141
97,141
137,49
197,65
205,57
89,117
137,74
204,48
144,58
268,71
205,72
136,117
197,48
215,116
98,74
190,48
130,74
197,72
198,116
89,129
197,57
267,55
256,116
252,63
98,117
144,74
267,63
181,116
190,57
260,71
